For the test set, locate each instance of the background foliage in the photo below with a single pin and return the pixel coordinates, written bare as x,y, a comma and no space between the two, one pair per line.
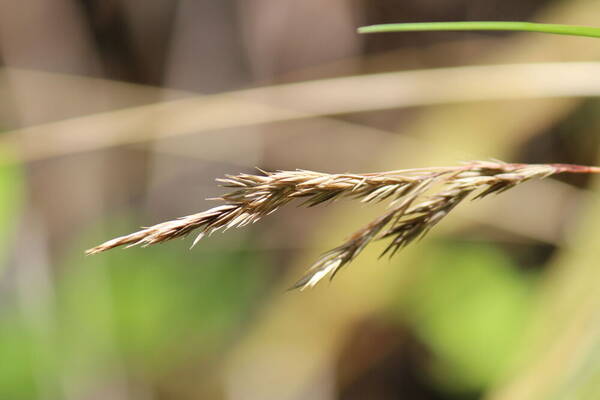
117,114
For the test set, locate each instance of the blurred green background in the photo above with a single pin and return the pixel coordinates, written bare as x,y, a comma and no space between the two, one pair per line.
119,114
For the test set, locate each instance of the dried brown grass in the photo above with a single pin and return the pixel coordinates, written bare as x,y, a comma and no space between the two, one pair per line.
413,209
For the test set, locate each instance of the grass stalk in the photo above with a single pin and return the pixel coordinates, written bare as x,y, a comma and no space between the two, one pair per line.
557,29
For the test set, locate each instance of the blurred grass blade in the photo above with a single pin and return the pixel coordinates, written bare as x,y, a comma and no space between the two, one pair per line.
11,198
557,29
301,101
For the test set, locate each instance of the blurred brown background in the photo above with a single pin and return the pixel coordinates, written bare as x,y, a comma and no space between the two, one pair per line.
116,114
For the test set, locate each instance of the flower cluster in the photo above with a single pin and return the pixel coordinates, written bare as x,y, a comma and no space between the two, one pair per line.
419,199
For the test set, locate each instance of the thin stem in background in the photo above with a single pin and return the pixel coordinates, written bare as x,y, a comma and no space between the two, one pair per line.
557,29
297,101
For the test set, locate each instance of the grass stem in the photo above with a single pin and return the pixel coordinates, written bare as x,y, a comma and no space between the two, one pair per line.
558,29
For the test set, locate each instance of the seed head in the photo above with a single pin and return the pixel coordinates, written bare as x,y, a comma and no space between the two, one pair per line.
419,199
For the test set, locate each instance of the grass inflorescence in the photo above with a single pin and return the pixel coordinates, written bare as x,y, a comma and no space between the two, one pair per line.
418,200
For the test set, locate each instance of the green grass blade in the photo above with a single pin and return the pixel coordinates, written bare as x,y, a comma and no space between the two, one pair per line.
557,29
